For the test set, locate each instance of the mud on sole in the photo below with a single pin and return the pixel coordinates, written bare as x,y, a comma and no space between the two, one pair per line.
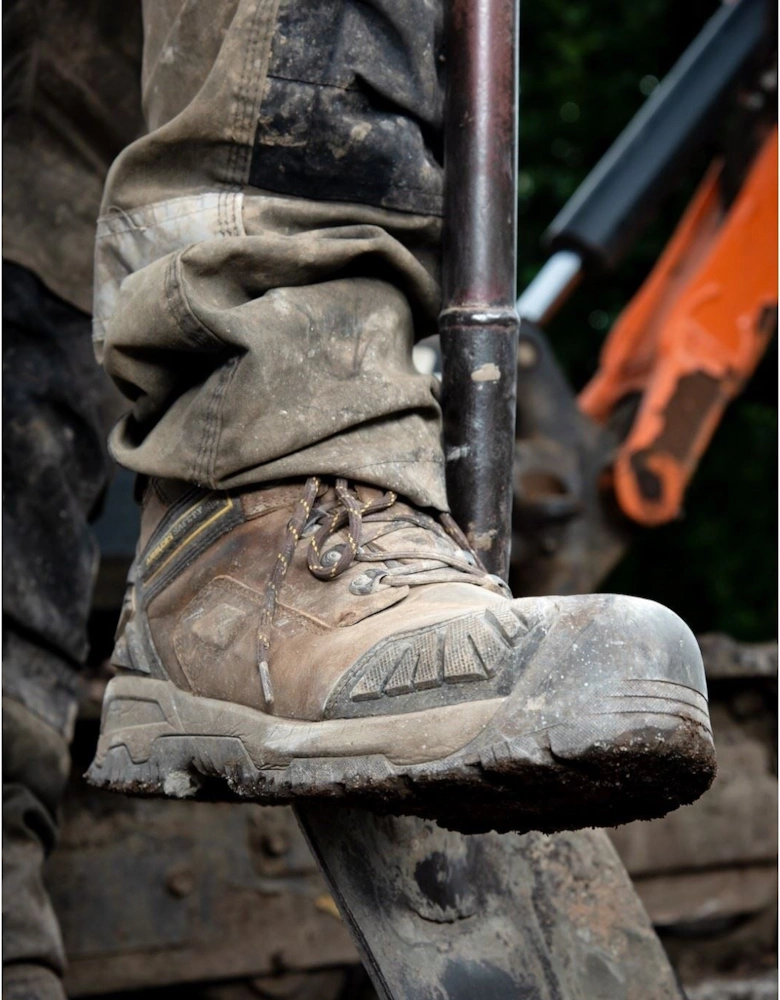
636,756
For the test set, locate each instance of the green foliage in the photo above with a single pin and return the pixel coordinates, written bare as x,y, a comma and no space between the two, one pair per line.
586,67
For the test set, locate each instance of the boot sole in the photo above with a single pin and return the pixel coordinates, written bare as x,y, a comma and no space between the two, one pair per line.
634,750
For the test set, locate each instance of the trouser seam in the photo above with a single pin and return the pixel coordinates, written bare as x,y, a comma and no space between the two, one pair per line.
191,326
207,454
201,461
246,105
232,178
235,175
179,308
220,395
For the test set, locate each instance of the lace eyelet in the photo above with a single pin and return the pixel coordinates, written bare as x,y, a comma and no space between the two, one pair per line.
313,523
367,582
501,583
332,556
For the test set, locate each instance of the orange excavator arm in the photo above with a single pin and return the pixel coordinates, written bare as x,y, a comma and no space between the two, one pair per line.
690,338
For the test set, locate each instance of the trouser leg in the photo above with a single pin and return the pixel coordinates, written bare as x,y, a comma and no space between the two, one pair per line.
35,768
71,102
268,252
55,411
55,469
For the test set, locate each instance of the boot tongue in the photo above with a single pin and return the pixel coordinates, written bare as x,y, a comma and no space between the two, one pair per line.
267,499
367,494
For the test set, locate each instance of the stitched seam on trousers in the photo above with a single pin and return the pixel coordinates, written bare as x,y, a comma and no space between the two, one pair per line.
182,316
235,208
180,310
206,459
200,458
235,118
247,101
210,430
185,320
169,289
229,184
104,222
228,374
243,96
212,419
232,158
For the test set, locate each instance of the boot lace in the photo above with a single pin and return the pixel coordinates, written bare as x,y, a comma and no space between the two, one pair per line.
319,524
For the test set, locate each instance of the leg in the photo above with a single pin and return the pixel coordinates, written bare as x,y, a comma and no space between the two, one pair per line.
245,305
55,469
35,768
68,108
265,336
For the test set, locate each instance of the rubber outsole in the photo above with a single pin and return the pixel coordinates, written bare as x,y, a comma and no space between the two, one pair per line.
635,751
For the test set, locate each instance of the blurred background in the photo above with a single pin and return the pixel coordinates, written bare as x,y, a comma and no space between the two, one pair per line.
586,68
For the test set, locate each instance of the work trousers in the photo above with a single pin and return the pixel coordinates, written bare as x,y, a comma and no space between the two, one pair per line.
71,103
268,252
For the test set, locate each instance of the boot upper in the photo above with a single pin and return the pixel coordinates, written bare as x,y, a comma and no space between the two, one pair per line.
232,601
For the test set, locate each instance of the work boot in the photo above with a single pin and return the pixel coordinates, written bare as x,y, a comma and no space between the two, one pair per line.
305,640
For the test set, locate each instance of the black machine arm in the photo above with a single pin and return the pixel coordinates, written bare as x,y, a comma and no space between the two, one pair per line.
622,192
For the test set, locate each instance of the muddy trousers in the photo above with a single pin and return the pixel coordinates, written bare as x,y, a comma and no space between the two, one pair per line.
268,253
55,471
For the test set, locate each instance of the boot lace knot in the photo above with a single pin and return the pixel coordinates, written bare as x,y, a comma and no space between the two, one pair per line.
401,568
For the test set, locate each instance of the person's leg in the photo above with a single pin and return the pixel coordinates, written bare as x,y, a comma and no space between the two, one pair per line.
265,258
55,412
55,469
71,102
267,254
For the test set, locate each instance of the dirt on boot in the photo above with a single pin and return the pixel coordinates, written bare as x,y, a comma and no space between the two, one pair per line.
311,641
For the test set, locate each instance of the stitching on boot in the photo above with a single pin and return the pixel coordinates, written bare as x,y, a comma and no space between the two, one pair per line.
189,527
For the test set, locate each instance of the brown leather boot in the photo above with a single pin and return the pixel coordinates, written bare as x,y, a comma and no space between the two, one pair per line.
308,641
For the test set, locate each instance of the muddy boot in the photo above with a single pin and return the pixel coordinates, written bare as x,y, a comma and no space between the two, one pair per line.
35,768
301,640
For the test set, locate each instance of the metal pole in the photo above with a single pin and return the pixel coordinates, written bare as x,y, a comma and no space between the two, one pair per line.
436,913
479,322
